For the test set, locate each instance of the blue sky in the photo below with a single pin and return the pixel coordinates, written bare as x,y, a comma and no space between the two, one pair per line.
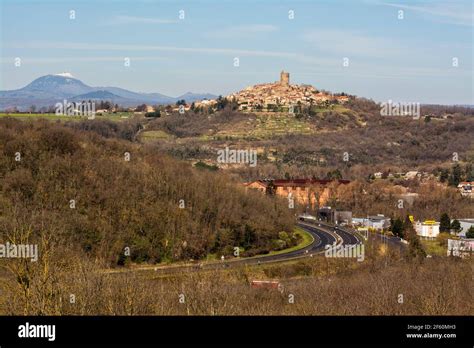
409,59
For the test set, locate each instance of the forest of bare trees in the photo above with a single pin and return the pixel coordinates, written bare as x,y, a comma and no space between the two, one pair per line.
372,142
86,192
101,196
69,283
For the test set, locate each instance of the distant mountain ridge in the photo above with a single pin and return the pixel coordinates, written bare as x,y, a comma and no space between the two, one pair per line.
97,95
49,89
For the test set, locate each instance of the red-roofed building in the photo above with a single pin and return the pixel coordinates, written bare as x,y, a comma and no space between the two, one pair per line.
303,191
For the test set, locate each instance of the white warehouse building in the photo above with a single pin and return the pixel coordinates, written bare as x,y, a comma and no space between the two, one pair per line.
378,222
465,225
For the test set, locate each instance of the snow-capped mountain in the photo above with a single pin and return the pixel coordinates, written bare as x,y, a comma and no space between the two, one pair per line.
50,89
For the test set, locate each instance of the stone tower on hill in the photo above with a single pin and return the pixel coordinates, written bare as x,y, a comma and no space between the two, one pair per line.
284,78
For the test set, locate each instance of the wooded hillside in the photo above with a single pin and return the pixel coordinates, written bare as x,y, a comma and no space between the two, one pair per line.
82,188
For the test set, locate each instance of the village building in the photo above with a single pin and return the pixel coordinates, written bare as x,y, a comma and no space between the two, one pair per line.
282,94
427,229
465,224
308,192
377,222
146,109
343,217
205,103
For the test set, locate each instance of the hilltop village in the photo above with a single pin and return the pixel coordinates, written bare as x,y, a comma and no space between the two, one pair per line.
279,96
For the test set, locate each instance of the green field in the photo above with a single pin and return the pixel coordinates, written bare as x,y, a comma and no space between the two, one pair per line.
432,247
306,240
333,107
152,135
265,125
120,116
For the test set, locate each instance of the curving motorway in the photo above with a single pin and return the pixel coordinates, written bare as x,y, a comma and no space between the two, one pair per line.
322,233
347,236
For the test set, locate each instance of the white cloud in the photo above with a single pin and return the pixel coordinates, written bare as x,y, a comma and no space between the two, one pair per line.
133,49
395,72
124,19
76,59
351,43
243,31
446,12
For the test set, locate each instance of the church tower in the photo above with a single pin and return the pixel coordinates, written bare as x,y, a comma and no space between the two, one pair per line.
284,78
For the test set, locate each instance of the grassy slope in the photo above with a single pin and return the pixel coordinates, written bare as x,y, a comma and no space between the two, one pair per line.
432,247
54,117
306,239
149,136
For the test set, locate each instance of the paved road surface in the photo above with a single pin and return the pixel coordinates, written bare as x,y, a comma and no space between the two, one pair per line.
323,235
